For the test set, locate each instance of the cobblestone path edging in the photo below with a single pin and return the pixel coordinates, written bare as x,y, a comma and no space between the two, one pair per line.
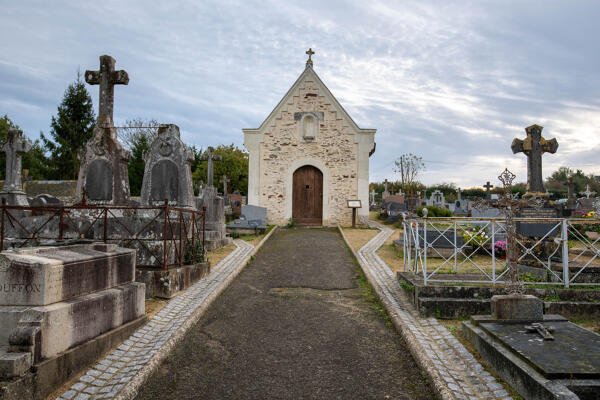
121,373
454,372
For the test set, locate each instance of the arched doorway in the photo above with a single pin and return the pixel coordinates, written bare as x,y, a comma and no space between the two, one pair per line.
307,196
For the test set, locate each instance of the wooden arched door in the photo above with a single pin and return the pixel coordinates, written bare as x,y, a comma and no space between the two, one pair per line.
307,196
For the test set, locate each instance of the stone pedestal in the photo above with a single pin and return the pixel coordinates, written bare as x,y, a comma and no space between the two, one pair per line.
216,231
517,307
55,298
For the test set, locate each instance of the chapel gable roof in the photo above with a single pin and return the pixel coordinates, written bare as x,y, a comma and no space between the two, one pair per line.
308,75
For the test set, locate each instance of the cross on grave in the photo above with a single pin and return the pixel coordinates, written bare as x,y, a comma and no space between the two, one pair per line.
539,328
210,157
14,147
106,77
487,187
373,196
534,145
588,192
309,62
458,194
225,181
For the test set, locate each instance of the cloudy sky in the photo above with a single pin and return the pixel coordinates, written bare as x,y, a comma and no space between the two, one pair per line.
453,84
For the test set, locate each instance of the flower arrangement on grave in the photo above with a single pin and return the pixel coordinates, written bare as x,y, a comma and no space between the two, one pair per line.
478,239
500,248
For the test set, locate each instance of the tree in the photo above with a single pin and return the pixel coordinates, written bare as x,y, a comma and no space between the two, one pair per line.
234,165
137,135
409,166
34,162
71,128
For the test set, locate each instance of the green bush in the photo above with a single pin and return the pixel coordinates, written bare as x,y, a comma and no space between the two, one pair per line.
433,211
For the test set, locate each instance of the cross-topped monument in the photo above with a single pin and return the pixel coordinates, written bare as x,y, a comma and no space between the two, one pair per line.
534,145
106,77
210,157
487,187
225,180
373,196
14,147
309,62
587,192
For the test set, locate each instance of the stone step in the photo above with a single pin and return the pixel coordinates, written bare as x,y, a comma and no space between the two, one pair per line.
13,364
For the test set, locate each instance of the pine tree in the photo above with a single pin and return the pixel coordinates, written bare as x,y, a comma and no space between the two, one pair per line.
70,130
137,164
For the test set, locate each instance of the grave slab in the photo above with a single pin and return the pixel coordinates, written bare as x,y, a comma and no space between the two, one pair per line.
45,275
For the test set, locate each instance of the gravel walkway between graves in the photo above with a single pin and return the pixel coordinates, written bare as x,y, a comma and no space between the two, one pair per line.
295,324
455,373
120,374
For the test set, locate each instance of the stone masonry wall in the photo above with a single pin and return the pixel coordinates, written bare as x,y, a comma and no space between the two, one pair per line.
283,146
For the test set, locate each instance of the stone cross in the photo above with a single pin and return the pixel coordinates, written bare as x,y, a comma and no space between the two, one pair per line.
534,145
487,187
588,192
106,77
225,181
373,196
14,147
544,331
210,157
309,62
458,194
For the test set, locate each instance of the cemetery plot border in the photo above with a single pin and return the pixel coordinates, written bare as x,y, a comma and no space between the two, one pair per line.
179,232
425,239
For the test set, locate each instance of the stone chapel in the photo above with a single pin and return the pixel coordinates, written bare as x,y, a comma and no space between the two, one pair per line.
308,158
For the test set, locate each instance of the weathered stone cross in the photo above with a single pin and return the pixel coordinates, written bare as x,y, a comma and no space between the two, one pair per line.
225,181
106,77
544,331
14,147
534,145
210,157
487,187
588,192
309,62
373,196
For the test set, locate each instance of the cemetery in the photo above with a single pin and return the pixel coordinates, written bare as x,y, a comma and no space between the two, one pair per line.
143,267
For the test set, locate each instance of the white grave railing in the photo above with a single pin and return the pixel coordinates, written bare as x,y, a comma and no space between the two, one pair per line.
468,250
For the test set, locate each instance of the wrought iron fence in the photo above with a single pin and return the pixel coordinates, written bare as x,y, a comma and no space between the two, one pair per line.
470,250
163,236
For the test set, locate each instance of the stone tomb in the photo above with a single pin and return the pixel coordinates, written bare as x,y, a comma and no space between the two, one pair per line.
55,298
168,172
540,356
252,220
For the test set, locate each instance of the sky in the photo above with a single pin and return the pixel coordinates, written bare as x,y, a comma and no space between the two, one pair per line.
451,83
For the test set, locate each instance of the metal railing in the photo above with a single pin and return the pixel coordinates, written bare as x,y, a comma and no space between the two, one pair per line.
465,250
179,232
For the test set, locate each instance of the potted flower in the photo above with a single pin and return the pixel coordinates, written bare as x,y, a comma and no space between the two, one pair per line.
500,248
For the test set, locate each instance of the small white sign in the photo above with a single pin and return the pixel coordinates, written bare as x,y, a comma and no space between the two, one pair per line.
354,204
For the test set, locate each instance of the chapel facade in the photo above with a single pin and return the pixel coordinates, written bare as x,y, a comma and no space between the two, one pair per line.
308,158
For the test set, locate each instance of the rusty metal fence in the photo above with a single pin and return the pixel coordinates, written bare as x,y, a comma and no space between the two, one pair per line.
163,236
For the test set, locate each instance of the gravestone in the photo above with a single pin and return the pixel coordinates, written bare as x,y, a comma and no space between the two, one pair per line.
571,198
225,181
14,147
168,171
533,146
487,187
55,298
252,220
538,228
437,199
385,193
103,176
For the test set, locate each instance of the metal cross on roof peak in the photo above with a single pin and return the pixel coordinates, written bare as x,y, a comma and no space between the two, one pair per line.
309,62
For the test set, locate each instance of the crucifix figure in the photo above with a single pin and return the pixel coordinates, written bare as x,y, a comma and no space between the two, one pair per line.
458,194
225,181
14,147
106,77
534,145
588,192
487,187
309,62
209,158
544,331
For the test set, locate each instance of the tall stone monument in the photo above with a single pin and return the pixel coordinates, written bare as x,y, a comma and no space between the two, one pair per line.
103,172
533,146
210,157
168,171
14,147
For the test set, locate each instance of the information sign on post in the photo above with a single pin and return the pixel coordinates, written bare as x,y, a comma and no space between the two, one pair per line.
354,204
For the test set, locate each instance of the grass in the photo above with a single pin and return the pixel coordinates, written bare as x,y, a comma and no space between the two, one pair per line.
370,297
